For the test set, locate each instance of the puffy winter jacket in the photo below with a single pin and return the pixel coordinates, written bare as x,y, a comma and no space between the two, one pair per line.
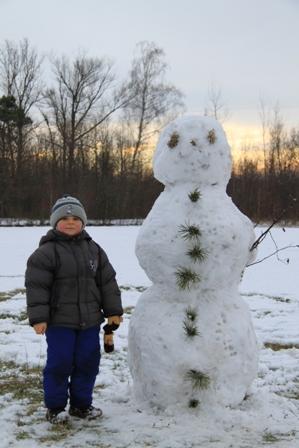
70,282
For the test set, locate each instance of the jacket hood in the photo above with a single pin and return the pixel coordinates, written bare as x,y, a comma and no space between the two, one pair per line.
55,235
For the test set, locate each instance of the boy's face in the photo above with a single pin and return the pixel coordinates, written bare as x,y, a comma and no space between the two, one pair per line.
70,225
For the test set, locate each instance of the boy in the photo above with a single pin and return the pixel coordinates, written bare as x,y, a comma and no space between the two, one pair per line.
70,288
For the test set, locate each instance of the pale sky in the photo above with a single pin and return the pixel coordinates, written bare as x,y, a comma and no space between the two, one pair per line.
247,48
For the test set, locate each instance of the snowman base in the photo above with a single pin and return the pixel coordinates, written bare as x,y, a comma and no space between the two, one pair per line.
216,366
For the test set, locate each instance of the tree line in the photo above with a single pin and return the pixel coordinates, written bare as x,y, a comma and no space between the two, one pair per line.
265,180
88,133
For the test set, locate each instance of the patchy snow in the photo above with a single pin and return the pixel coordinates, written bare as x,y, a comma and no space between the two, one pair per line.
269,417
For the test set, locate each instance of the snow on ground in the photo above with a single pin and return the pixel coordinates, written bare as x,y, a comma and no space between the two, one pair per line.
269,416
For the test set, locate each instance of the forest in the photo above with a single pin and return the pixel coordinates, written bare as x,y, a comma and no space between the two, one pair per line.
84,131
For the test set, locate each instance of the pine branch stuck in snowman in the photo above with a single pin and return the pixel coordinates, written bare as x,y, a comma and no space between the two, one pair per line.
186,278
197,253
190,329
191,339
198,380
194,196
189,231
189,323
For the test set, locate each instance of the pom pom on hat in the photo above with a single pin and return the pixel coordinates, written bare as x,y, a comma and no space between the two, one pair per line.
67,206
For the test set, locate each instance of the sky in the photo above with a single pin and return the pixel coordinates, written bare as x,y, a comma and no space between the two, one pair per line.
245,49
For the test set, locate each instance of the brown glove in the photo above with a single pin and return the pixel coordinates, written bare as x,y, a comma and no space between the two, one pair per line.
108,343
113,324
114,321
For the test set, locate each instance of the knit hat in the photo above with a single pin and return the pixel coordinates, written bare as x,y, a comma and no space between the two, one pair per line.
67,206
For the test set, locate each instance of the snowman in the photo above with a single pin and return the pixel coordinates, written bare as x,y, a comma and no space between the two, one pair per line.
191,339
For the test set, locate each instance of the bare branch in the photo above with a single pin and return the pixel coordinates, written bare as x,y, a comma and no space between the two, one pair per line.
216,106
274,222
274,253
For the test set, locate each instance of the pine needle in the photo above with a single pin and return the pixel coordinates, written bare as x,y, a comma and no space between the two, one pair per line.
190,328
195,195
174,140
197,253
198,379
191,314
189,232
212,136
186,278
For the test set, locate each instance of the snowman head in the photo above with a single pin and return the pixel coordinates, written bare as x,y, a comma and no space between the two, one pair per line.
193,149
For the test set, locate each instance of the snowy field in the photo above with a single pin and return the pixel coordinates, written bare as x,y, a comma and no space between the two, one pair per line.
269,416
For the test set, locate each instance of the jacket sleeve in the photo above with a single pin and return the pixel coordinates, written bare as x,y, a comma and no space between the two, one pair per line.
110,292
38,282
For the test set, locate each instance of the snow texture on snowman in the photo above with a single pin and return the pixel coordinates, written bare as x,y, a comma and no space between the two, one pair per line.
191,339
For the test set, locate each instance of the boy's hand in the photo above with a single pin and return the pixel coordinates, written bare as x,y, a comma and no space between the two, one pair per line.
40,328
114,321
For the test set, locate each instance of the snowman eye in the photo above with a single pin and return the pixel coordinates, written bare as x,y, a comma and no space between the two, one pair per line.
212,136
174,140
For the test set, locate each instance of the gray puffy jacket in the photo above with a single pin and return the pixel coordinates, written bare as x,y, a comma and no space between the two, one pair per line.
70,282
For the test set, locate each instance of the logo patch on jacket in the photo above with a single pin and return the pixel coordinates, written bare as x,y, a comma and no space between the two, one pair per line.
93,264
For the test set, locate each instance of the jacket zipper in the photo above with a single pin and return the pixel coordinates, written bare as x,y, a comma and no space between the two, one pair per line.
82,324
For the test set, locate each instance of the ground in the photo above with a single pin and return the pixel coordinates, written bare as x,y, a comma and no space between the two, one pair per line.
267,418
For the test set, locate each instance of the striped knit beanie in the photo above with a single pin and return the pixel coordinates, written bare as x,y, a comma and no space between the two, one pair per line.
67,206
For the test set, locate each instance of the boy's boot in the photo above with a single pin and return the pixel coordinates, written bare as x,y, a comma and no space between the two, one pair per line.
52,415
89,413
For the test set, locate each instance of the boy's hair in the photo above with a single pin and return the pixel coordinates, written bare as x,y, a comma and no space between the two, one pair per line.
67,206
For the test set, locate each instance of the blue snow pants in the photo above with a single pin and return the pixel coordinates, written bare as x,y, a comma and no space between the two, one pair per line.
73,359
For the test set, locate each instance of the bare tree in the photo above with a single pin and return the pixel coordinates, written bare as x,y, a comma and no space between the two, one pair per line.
84,96
216,107
292,148
263,113
154,100
276,135
20,71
